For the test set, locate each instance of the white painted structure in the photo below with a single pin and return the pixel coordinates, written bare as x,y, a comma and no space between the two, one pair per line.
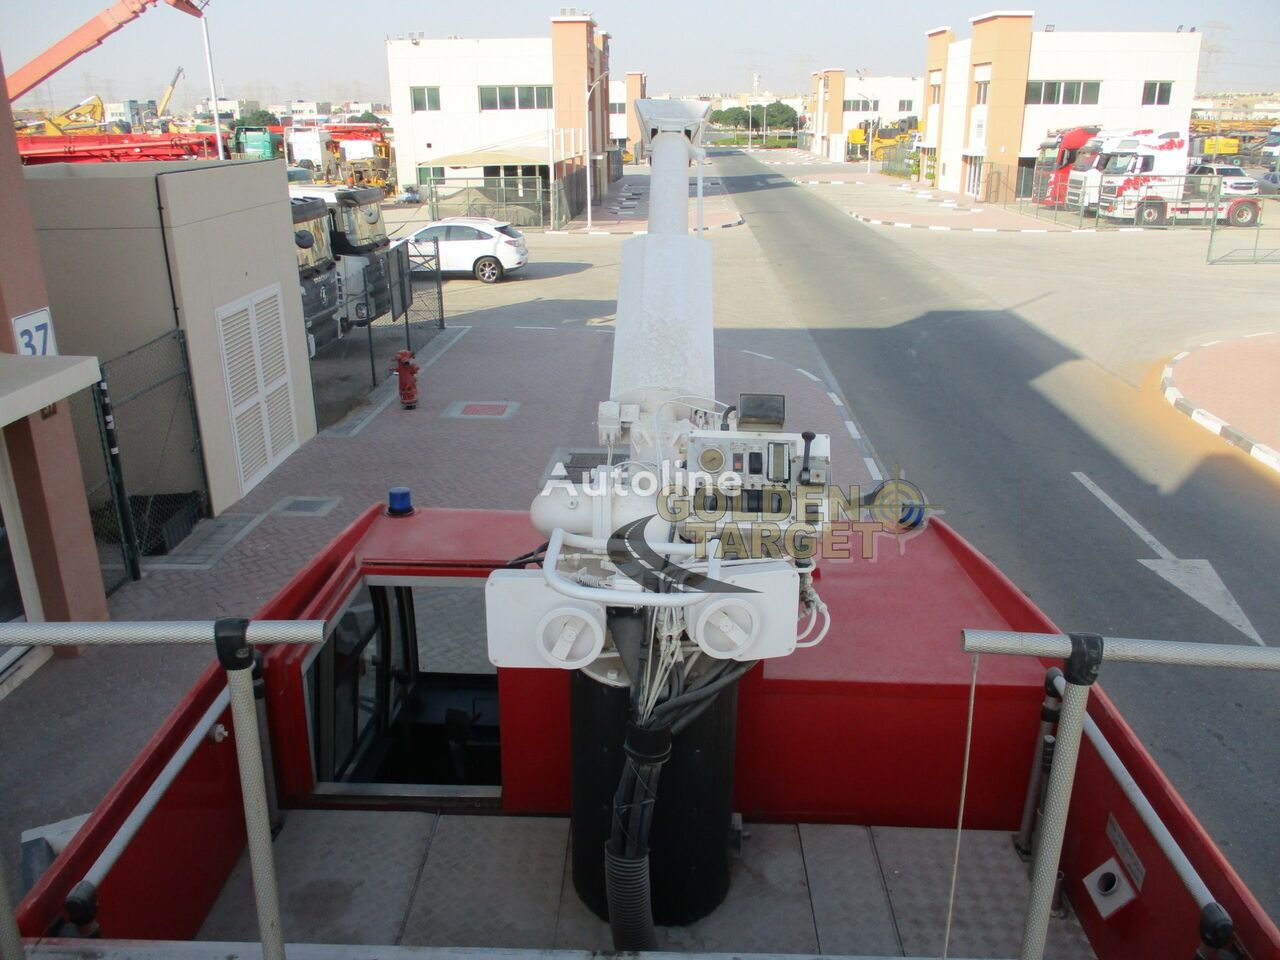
618,112
1122,63
450,120
883,100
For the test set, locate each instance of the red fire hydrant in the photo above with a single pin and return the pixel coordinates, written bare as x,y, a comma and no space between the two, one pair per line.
405,368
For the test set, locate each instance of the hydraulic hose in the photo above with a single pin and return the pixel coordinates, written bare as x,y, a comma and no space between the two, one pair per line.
626,853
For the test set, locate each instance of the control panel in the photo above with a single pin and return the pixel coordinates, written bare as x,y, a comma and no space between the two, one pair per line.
757,475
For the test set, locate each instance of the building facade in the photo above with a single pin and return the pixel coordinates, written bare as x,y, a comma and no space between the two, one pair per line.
992,98
840,103
519,107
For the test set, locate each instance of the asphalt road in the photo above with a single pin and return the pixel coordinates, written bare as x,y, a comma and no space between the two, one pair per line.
994,420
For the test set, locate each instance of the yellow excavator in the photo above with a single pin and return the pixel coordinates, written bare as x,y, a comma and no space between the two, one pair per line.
163,105
87,116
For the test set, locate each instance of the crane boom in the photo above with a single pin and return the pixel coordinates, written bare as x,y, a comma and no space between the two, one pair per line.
82,40
168,93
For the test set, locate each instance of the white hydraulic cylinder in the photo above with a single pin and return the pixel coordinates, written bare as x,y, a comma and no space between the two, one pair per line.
664,339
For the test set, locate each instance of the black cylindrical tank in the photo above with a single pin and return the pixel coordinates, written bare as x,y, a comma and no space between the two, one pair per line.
689,838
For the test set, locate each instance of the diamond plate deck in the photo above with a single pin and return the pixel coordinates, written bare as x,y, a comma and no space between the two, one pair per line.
362,877
490,882
991,895
345,876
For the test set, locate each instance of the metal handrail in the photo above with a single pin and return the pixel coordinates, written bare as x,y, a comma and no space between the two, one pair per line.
1084,654
232,639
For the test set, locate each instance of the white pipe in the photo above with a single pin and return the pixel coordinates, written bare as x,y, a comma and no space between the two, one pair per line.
698,156
1044,870
1126,650
257,820
213,90
147,803
90,633
1142,806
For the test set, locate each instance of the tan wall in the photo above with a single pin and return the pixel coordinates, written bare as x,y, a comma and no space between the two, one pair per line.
231,234
100,235
1005,43
637,89
42,450
935,58
570,40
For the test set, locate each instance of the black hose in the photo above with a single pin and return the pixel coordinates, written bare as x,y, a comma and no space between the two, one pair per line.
626,852
664,710
626,881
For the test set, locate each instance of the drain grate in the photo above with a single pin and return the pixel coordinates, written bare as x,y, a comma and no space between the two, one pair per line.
482,409
305,506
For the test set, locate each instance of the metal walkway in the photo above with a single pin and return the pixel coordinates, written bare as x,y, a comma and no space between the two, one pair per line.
418,879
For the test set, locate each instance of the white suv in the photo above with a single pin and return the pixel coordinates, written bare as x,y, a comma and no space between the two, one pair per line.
485,248
1235,182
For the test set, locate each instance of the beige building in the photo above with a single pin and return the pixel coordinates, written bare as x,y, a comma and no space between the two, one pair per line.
144,249
992,98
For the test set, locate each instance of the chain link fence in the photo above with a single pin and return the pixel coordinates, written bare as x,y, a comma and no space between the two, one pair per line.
345,370
140,457
522,201
1257,244
1096,200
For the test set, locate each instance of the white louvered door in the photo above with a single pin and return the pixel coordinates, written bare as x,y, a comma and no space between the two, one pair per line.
256,364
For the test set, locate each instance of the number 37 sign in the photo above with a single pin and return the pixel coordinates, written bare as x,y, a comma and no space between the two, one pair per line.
33,333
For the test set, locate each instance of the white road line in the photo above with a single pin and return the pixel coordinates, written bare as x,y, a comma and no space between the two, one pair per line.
530,327
834,399
876,475
1141,532
853,430
762,356
809,375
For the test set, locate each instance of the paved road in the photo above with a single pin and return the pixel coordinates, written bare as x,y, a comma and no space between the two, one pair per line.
994,419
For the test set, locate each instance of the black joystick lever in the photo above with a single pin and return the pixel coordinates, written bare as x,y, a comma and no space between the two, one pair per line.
807,437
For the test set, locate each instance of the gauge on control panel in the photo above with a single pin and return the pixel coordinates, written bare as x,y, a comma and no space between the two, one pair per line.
711,459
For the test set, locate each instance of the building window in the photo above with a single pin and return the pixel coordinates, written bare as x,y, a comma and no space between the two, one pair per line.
935,93
427,174
424,98
515,98
904,106
1063,91
617,108
1157,93
980,94
861,106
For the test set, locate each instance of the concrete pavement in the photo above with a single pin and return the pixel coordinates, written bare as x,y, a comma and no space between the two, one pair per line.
1002,373
1232,389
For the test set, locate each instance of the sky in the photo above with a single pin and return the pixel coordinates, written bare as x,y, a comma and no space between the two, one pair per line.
272,50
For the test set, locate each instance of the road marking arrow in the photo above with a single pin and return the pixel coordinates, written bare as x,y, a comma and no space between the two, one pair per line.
1196,578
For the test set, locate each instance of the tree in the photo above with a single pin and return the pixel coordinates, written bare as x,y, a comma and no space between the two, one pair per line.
367,117
733,117
257,118
779,116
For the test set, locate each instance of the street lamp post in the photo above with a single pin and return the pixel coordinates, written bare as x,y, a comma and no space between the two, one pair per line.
213,90
587,109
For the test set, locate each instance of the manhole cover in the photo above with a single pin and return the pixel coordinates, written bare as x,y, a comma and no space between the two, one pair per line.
482,409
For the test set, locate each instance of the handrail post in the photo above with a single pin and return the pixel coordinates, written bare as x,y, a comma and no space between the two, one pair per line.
1081,670
236,657
10,936
1049,712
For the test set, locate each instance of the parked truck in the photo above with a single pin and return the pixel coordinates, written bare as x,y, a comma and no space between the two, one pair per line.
1058,154
1085,179
358,236
1144,181
317,271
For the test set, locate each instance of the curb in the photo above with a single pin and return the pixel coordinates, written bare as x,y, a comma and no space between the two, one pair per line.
947,229
1214,424
629,233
